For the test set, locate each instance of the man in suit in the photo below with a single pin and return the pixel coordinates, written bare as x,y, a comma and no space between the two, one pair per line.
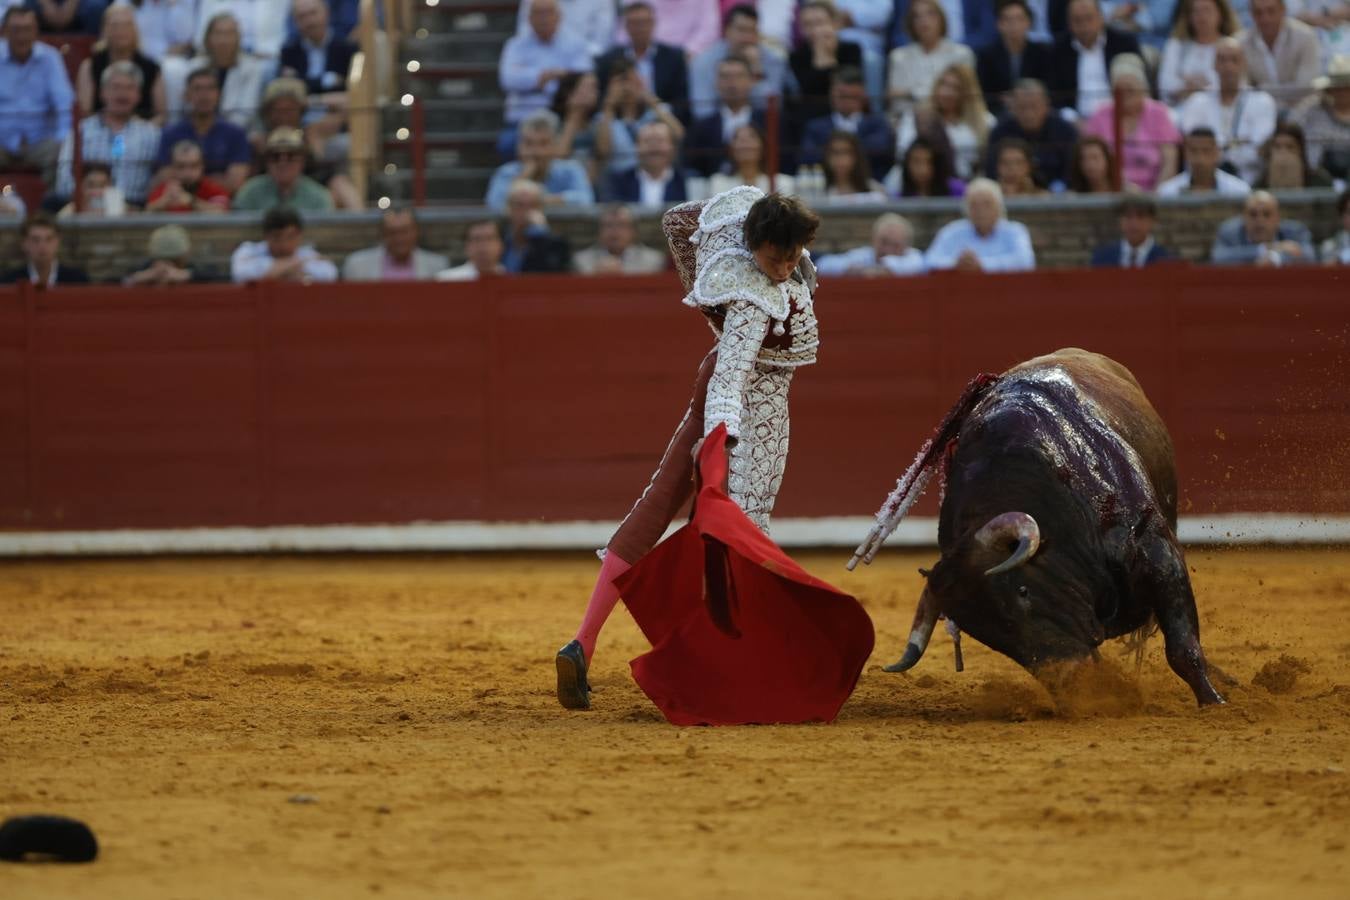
618,252
661,67
1031,119
1080,62
1012,57
974,26
848,112
397,257
1260,237
705,147
316,55
1283,54
1137,214
770,74
40,242
654,183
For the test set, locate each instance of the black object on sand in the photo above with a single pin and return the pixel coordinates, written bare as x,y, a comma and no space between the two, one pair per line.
46,838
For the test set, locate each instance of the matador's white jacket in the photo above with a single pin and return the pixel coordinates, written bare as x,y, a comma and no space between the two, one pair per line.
764,332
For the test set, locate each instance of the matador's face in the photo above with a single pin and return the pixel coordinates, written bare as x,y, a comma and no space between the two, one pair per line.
776,262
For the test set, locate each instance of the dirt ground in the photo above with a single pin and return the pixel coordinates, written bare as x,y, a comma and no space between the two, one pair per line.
385,726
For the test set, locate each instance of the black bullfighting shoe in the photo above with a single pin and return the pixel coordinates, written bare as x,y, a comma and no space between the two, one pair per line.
574,691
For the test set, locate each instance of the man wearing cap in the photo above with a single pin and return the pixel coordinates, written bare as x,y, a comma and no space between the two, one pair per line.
397,257
1325,119
170,262
225,148
185,187
284,181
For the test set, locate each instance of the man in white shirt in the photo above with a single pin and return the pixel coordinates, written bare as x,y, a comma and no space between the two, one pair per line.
281,255
1283,54
655,183
891,252
1202,173
534,60
984,241
618,252
483,245
1242,117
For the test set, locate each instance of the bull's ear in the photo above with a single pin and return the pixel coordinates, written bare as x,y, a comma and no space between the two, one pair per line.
925,572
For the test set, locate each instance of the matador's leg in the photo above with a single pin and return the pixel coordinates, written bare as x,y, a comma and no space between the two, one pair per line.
759,458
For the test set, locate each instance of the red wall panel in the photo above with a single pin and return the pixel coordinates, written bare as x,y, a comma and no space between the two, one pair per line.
552,398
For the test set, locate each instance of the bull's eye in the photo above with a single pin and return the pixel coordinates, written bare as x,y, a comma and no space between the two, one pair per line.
1022,592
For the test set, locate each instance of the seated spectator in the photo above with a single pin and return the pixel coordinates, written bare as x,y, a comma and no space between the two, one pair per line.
225,147
1284,162
66,16
531,64
262,25
955,110
1015,168
968,22
121,41
35,97
926,171
316,55
661,67
240,76
1137,215
576,103
1150,155
530,246
1325,119
1283,54
589,21
562,181
984,241
1050,137
185,187
915,67
282,254
97,195
1150,21
1202,173
655,183
709,136
1335,250
820,55
1260,237
691,25
891,252
483,245
848,176
848,113
115,136
166,27
1081,59
1242,117
1012,58
1092,167
769,72
283,106
748,162
11,204
627,108
1188,56
169,262
397,257
617,252
283,181
40,244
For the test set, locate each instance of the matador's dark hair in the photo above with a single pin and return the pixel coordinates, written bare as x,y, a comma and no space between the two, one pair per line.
781,221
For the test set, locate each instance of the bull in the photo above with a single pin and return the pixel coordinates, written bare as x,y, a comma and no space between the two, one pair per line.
1057,528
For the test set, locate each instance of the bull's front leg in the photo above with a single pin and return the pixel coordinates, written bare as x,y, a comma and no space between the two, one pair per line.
1160,576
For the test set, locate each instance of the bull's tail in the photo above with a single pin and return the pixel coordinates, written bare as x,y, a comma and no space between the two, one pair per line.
932,457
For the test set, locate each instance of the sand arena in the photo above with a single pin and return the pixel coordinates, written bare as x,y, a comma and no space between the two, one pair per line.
385,726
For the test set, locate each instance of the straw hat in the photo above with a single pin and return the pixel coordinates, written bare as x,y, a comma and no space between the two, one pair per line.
1338,74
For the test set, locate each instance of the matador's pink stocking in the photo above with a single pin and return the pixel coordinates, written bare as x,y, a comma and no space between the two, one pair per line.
601,603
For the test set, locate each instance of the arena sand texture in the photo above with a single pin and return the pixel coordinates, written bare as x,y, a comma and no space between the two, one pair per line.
385,726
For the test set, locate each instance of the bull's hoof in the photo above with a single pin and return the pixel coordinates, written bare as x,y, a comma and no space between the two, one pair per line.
574,691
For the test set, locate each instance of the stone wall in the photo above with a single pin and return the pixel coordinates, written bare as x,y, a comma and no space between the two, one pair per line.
1064,229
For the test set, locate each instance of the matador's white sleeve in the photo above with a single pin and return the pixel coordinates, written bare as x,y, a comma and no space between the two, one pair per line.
743,332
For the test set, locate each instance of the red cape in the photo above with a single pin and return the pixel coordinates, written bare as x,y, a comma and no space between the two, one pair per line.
740,633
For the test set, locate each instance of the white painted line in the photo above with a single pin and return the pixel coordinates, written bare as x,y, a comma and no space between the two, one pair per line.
842,531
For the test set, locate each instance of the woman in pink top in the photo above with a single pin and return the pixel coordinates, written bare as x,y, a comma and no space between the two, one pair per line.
1150,139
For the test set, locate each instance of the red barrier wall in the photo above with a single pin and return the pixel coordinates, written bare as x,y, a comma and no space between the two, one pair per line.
551,398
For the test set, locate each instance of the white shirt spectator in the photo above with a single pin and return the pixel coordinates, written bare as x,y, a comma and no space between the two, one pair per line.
1241,127
1094,83
262,23
466,272
1225,185
165,23
914,71
251,260
525,56
967,148
911,262
589,21
1006,249
733,120
1182,60
653,190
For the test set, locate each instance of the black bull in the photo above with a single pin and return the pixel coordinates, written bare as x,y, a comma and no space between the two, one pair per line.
1058,524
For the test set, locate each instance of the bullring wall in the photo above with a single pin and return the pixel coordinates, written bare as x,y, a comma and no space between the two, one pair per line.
549,398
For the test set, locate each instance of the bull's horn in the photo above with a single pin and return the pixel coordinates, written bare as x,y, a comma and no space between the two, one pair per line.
925,617
1005,527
